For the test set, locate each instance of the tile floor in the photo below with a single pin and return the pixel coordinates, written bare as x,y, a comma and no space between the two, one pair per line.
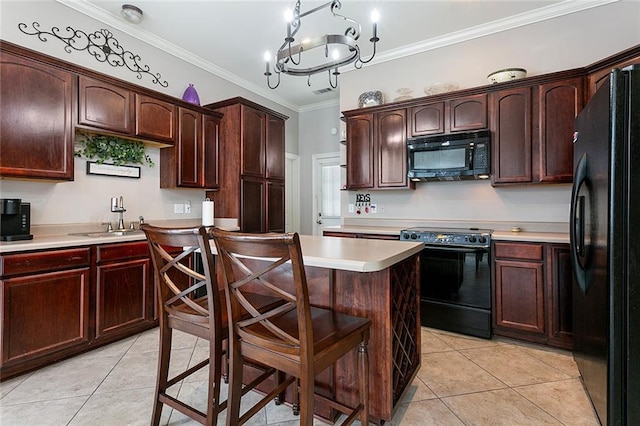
463,381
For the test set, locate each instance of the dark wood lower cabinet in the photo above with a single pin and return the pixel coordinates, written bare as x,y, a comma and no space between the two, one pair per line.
124,295
58,303
532,292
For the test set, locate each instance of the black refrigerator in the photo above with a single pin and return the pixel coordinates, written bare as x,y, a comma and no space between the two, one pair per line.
605,248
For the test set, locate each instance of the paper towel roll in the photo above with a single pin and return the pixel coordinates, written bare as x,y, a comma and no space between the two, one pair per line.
207,213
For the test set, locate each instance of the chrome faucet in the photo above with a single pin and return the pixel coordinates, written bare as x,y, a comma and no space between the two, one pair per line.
117,206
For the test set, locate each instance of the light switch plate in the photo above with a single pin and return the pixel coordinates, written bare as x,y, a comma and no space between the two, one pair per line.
178,208
351,208
187,207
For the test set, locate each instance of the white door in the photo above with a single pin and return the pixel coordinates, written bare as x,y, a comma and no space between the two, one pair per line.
326,191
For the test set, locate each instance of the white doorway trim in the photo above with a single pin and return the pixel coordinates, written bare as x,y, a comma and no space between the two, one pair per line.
292,193
317,161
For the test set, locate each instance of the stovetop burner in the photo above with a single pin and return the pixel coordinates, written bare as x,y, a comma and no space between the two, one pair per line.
453,237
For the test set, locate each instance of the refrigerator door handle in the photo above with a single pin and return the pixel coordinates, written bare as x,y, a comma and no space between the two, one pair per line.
579,253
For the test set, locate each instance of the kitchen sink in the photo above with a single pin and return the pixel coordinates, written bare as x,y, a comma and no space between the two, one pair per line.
106,234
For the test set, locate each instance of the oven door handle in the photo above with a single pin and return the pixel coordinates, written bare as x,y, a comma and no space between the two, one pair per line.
458,249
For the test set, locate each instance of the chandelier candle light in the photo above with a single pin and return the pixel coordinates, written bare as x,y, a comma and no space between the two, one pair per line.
343,47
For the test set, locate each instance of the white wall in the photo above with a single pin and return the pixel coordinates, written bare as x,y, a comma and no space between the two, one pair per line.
562,43
315,138
86,199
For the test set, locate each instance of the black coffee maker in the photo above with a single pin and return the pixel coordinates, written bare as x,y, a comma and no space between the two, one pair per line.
15,220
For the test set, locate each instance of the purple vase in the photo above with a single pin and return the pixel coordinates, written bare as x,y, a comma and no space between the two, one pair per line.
190,95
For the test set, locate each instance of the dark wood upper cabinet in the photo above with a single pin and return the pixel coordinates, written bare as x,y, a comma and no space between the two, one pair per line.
189,148
104,106
211,141
468,113
252,172
559,103
391,131
275,162
254,140
449,116
360,152
155,119
427,119
532,132
193,161
511,116
37,119
377,150
599,72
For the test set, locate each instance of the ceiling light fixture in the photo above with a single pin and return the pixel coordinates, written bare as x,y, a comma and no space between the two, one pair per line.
131,13
339,49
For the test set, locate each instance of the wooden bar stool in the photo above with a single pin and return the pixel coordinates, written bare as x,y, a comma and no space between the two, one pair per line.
295,338
181,306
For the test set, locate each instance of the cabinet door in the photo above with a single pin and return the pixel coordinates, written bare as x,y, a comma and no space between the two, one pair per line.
559,296
275,207
468,113
427,119
391,132
519,295
511,136
598,78
253,141
559,103
189,148
211,147
360,153
275,148
104,105
253,206
155,119
124,297
44,314
36,119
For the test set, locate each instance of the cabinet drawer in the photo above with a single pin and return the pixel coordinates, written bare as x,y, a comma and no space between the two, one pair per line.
124,251
29,263
518,251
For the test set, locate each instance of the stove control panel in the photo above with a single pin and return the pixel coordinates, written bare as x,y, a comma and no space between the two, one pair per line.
447,238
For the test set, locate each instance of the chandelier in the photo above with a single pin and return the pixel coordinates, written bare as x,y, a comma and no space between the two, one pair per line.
339,49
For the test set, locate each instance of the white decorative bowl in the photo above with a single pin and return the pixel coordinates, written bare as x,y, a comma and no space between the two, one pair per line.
443,87
370,98
506,75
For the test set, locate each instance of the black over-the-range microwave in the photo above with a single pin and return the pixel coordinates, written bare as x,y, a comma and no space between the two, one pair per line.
458,156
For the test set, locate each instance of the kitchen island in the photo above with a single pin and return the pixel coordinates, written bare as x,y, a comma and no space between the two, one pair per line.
379,280
376,279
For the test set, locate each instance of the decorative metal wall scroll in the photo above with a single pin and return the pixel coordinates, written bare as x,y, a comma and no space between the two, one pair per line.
101,44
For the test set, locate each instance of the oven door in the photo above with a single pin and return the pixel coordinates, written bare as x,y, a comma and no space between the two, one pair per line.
455,289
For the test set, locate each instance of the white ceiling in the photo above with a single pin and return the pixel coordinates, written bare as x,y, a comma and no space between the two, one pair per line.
229,38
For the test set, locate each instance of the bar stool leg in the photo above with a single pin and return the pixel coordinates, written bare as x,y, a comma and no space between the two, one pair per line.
363,379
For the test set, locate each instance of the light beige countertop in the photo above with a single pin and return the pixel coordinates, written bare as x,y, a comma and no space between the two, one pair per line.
541,237
360,229
352,254
58,236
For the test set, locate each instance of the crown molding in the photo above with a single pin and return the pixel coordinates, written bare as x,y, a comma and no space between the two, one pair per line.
527,18
153,40
520,20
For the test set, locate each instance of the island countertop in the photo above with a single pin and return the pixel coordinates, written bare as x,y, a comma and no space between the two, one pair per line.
352,254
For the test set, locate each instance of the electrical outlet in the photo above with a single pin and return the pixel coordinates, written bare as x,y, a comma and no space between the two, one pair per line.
178,208
187,207
351,208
